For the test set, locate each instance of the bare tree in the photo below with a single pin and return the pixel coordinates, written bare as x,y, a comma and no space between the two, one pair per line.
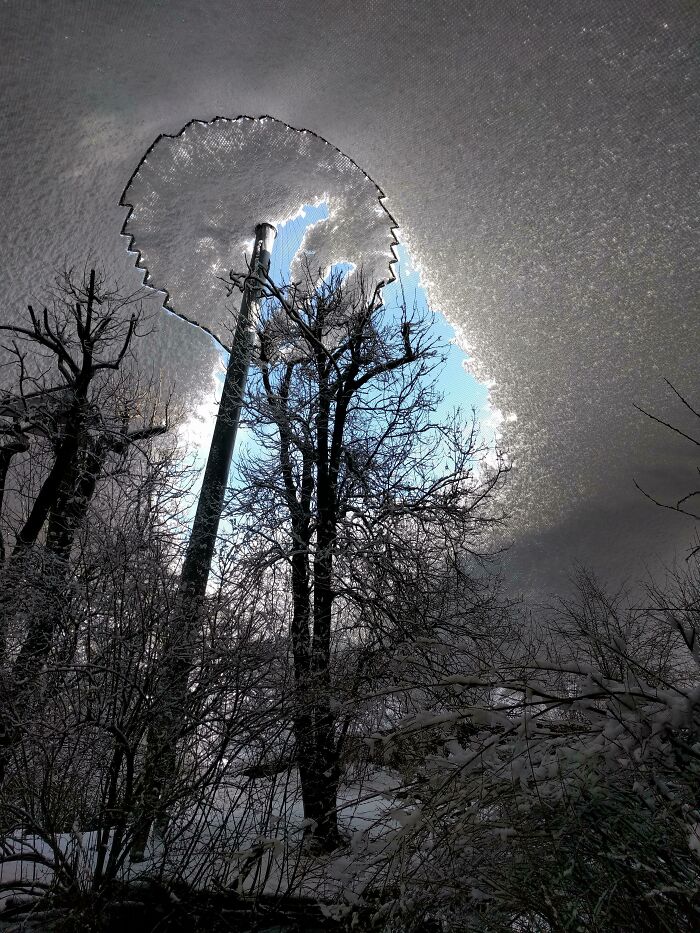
72,411
83,334
357,489
687,504
565,792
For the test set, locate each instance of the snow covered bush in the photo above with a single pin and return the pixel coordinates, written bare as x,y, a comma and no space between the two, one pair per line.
570,801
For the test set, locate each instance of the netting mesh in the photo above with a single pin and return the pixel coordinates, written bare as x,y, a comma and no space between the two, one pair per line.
196,197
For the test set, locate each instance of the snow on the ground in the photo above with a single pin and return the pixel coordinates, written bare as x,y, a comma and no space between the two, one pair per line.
248,838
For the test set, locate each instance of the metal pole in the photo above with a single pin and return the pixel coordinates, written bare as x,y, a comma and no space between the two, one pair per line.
161,753
200,549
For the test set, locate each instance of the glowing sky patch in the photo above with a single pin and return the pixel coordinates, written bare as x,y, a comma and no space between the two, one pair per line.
538,157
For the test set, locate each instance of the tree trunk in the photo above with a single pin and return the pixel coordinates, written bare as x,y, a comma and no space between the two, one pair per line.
72,500
68,513
321,779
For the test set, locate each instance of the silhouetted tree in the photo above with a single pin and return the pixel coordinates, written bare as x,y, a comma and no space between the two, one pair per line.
688,503
75,413
361,492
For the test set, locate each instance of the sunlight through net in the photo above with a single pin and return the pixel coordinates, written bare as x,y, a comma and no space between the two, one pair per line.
195,199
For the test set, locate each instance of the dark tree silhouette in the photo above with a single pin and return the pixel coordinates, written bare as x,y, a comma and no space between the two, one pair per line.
71,395
688,504
358,491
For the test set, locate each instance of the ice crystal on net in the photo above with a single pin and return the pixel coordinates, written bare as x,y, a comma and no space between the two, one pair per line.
196,197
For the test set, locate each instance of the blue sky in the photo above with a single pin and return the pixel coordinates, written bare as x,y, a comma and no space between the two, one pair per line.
459,388
456,385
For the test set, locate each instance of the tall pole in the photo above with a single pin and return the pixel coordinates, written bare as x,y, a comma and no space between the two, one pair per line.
160,768
200,549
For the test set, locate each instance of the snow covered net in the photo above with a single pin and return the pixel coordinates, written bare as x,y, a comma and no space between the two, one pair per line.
196,197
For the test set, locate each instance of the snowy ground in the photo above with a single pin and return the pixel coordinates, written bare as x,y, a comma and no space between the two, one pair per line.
248,839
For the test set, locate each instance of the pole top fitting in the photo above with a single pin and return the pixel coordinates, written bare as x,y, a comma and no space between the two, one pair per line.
264,240
266,233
